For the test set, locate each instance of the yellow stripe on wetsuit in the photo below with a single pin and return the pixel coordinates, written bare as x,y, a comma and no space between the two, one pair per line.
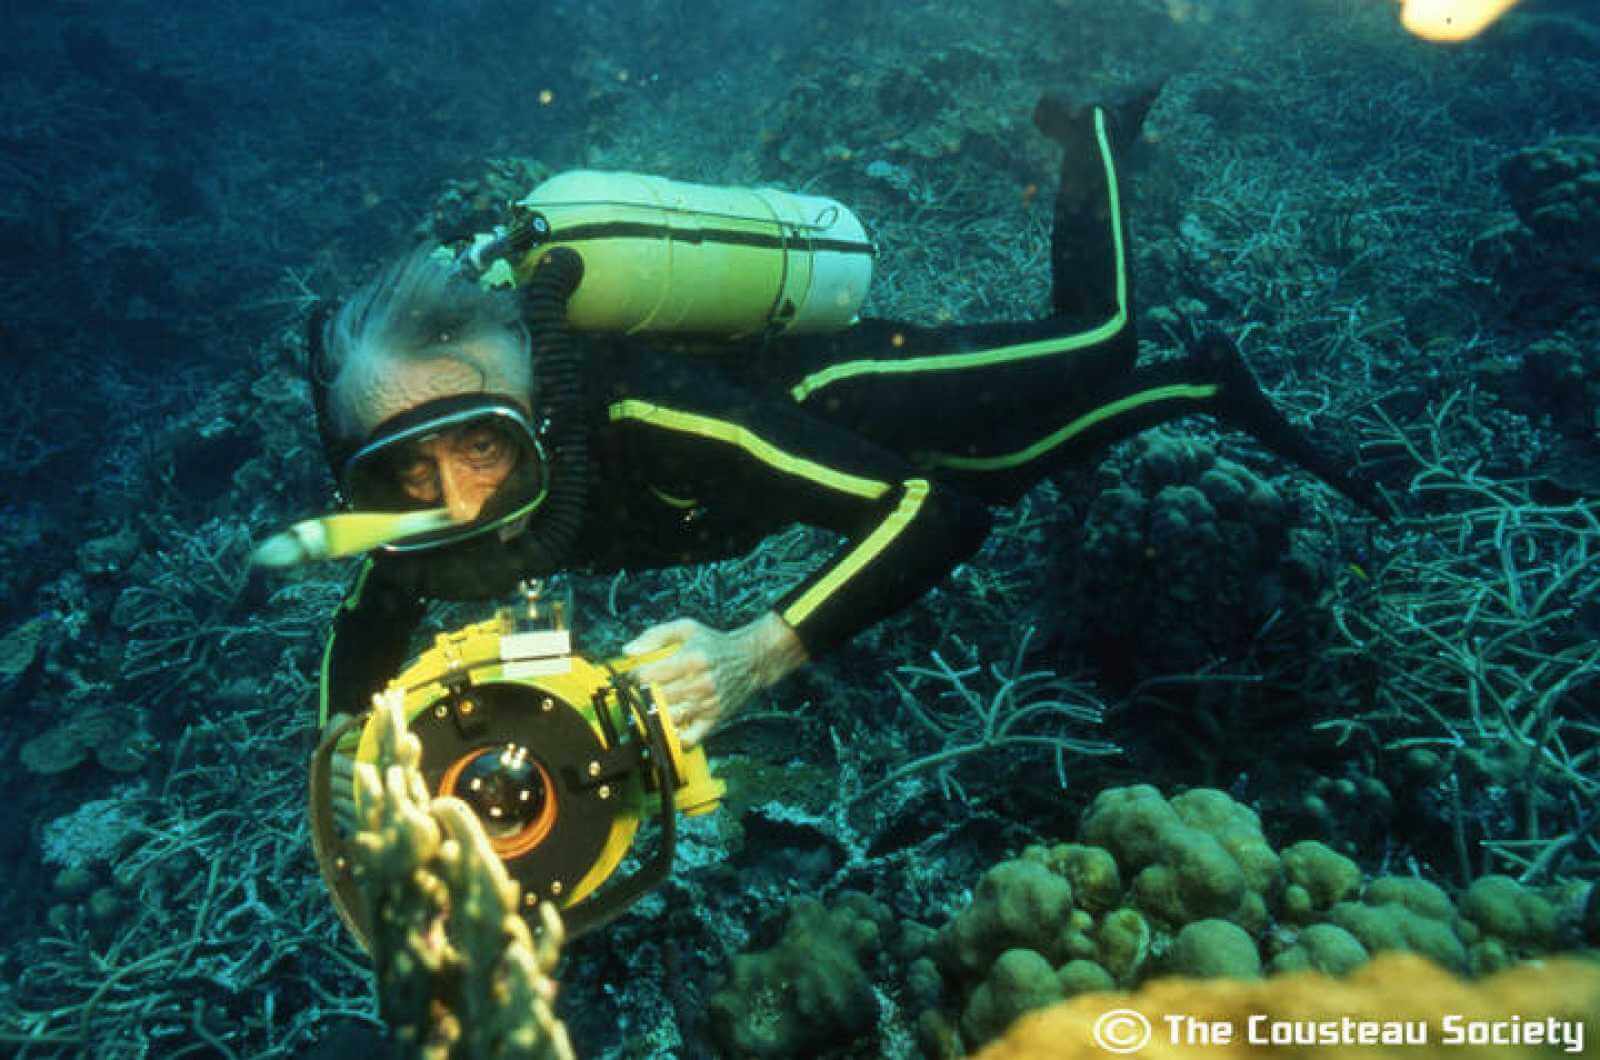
854,485
860,556
1023,351
1006,461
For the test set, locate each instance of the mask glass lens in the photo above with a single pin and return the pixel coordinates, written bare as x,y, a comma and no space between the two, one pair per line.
486,462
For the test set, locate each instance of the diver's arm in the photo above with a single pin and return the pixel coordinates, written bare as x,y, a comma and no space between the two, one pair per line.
906,543
366,644
903,530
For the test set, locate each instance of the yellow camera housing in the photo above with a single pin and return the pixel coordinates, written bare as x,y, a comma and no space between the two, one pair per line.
562,758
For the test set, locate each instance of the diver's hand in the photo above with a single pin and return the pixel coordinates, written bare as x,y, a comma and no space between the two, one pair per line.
342,777
714,673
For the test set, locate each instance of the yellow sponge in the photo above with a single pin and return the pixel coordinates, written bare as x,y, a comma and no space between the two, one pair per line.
1542,1009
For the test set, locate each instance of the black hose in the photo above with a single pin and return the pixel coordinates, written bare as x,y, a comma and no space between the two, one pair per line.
558,380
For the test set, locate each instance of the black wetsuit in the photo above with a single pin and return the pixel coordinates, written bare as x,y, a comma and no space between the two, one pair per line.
896,436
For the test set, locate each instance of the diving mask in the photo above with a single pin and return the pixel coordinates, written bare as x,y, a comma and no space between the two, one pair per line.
489,435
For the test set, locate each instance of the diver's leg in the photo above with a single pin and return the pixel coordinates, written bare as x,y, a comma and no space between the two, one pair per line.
1213,380
1242,404
915,388
1089,233
955,381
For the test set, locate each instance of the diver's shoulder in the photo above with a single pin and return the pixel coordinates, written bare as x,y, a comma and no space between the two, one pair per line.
626,368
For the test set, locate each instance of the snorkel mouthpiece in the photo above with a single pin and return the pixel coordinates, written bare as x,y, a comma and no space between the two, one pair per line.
345,534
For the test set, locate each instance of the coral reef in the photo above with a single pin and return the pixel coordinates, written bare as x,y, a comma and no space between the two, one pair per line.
1190,886
175,207
897,118
1554,192
811,991
1185,555
459,973
1555,378
96,832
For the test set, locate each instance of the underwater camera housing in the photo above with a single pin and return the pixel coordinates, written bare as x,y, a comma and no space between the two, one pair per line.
560,757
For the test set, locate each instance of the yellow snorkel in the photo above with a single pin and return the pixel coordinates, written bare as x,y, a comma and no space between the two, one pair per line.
345,534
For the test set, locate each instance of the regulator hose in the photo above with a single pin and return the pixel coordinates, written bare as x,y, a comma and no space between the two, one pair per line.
558,376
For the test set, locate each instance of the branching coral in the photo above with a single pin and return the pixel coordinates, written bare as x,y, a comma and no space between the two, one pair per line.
180,609
459,973
209,926
1018,711
1480,630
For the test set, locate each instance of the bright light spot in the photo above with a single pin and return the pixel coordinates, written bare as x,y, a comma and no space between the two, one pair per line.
1451,20
546,97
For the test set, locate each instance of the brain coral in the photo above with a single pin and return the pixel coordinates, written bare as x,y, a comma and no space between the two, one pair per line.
1184,555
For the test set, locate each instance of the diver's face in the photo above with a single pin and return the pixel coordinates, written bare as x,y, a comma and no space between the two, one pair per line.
459,468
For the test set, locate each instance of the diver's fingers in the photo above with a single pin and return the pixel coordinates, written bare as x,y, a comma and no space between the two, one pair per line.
694,718
691,734
661,672
675,632
686,695
679,666
679,704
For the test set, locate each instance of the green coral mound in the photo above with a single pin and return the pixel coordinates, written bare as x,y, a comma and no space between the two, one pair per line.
1214,949
1200,855
1018,981
1190,886
810,992
1318,878
1154,887
1017,905
1325,948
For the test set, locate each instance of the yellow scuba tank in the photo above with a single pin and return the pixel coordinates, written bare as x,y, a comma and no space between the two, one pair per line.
688,259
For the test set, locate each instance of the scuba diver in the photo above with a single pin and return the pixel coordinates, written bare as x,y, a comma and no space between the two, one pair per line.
555,450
